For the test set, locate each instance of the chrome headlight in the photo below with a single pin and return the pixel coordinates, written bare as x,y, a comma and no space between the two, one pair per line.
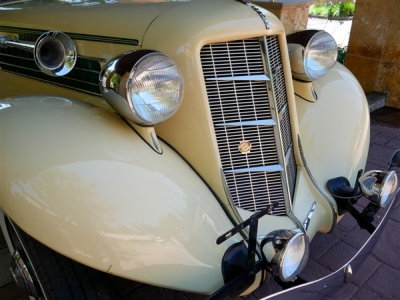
144,86
312,54
286,252
380,187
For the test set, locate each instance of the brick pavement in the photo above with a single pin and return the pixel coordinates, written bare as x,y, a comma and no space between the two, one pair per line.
378,278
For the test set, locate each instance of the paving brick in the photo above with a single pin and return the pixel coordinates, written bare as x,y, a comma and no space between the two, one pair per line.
366,270
346,224
345,293
337,256
356,237
371,166
387,115
394,144
388,245
323,242
385,282
379,155
366,293
374,132
396,215
314,271
384,138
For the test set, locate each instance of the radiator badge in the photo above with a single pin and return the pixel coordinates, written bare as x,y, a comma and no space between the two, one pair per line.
244,147
260,13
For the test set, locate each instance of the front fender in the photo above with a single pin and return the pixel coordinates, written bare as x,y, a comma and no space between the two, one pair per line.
334,130
81,181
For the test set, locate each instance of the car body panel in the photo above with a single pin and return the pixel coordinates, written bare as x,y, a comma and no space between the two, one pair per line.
103,198
130,25
335,127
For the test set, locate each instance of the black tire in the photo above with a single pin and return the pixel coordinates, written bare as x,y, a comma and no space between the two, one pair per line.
58,277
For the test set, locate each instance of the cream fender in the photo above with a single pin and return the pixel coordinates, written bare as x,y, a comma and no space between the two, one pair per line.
334,130
81,181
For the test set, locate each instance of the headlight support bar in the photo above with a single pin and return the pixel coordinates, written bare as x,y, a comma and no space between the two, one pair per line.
374,185
240,275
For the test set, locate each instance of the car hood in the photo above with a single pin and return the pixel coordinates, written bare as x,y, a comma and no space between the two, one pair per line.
112,18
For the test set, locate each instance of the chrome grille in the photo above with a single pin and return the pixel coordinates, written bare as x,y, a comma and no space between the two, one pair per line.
233,59
263,150
240,102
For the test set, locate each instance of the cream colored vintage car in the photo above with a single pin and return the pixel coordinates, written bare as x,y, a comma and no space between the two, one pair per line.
189,144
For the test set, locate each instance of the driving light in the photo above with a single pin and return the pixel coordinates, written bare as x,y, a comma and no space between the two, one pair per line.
312,54
144,86
379,187
286,252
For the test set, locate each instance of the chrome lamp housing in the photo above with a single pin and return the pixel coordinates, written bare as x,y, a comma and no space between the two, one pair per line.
54,52
286,252
380,187
145,87
312,54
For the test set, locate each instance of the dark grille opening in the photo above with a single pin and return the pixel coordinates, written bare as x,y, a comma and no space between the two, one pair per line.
84,77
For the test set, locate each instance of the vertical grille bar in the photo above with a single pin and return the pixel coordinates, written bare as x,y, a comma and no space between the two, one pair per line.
279,87
240,105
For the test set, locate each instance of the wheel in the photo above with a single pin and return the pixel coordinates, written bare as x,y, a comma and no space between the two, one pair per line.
45,274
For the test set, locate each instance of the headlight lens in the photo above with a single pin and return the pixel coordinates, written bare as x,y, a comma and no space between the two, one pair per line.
320,55
155,88
287,252
312,54
144,86
293,259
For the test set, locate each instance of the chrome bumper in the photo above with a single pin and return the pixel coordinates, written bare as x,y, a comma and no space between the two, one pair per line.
330,284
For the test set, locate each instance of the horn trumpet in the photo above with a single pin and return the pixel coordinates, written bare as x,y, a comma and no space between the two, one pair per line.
54,52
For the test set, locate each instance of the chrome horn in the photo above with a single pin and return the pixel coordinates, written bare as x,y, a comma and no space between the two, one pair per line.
54,52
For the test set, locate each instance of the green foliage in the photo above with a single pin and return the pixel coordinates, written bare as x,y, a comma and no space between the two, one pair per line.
342,51
347,9
333,11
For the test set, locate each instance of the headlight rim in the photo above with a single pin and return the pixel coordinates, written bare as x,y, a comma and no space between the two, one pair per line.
277,259
301,42
307,50
118,96
285,253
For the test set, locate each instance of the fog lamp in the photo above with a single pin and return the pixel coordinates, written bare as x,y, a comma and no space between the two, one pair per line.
379,187
286,251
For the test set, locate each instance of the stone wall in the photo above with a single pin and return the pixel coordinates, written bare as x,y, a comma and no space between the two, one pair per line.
292,13
374,48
